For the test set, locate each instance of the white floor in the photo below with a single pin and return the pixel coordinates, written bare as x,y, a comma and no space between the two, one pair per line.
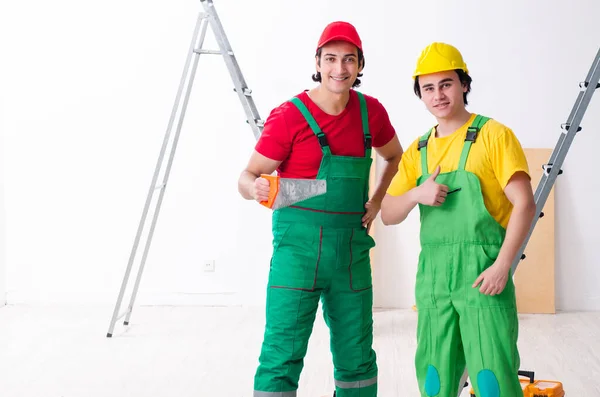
201,352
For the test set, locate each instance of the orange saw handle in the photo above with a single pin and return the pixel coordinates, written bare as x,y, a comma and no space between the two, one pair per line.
273,189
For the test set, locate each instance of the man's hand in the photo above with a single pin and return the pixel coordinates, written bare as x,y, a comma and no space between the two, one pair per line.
372,208
260,189
250,185
493,279
432,193
520,193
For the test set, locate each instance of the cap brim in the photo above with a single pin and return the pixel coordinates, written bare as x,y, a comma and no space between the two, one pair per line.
339,38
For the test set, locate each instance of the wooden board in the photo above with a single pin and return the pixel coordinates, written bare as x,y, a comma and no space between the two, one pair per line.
534,278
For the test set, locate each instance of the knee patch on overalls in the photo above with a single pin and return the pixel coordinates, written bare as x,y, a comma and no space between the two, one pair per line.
432,381
488,383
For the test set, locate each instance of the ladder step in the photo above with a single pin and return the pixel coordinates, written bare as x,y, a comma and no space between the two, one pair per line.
158,187
260,123
586,83
548,168
212,52
565,126
247,91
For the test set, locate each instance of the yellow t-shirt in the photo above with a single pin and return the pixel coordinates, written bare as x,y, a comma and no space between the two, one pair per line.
494,157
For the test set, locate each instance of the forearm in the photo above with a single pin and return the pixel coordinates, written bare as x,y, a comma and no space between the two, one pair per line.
395,209
257,166
389,170
245,183
516,231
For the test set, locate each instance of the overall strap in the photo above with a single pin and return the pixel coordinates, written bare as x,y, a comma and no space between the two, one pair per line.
313,125
472,132
423,149
365,123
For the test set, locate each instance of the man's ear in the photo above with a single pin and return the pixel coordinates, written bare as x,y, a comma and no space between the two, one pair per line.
318,64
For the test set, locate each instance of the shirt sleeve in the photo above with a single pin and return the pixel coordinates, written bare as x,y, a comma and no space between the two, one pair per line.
406,177
507,157
275,140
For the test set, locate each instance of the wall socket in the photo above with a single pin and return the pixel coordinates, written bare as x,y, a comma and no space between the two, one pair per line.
209,265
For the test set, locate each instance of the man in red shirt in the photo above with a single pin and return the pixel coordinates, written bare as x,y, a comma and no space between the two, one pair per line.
321,245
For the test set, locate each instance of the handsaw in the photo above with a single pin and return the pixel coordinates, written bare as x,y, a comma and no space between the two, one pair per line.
284,192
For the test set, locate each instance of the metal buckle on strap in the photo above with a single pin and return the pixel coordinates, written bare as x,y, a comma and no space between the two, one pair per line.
423,143
472,134
368,142
322,140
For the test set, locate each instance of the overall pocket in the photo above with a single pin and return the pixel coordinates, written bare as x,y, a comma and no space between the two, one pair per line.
359,269
296,253
346,194
481,257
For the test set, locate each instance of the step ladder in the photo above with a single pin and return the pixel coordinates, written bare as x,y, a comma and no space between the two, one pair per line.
206,18
553,168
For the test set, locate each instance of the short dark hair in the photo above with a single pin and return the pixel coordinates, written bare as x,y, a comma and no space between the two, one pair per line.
464,78
361,62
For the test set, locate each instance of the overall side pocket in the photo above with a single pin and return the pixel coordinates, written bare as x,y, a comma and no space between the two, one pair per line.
295,260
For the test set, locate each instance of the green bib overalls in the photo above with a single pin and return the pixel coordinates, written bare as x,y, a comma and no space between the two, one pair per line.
321,252
459,240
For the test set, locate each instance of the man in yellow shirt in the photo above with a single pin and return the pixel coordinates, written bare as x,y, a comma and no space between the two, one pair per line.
469,176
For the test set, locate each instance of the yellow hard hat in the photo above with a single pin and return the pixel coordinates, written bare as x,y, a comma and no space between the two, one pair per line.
439,57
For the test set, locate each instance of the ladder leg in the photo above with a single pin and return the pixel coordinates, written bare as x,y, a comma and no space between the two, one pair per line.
167,173
462,382
201,22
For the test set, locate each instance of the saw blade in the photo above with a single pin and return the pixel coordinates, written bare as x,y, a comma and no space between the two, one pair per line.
292,191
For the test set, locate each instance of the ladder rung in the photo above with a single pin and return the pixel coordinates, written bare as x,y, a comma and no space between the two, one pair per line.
565,126
258,122
158,187
548,168
586,83
212,52
247,91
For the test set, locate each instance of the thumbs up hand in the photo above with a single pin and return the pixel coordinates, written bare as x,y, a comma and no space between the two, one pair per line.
431,192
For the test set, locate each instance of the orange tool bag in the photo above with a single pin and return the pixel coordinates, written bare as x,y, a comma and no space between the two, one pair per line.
537,388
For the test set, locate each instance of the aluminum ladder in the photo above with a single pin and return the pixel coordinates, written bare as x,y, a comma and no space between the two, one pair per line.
206,18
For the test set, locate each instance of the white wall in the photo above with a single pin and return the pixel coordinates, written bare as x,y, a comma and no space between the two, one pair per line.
2,212
91,90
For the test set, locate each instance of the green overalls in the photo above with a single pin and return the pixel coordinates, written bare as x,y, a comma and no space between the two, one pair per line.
321,251
459,240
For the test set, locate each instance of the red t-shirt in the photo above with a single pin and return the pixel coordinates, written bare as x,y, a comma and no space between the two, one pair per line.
287,136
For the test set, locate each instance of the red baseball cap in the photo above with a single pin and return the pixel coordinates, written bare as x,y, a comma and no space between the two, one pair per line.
340,31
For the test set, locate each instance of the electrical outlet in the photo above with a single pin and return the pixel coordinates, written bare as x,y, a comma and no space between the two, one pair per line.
209,265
